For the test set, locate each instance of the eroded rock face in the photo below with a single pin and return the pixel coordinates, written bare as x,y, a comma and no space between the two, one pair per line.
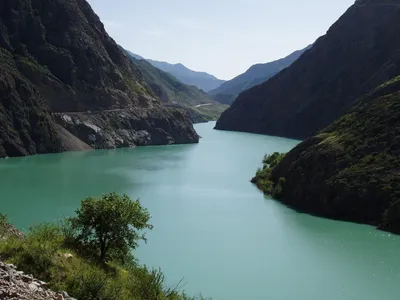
359,52
55,56
129,128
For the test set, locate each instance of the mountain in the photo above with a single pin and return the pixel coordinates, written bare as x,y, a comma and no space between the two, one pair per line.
358,53
350,170
255,75
172,92
66,85
202,80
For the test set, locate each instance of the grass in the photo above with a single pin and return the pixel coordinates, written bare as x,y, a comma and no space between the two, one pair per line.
47,254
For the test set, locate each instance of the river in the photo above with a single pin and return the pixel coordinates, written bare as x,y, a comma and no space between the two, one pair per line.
212,226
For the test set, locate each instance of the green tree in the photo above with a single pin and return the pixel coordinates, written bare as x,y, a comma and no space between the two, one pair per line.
111,225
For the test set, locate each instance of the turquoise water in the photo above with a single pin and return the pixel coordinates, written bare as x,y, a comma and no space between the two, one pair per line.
212,226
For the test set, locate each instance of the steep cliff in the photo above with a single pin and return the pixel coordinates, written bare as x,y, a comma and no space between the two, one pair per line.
351,169
358,53
56,56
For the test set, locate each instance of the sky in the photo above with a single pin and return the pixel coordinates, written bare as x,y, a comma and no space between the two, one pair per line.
220,37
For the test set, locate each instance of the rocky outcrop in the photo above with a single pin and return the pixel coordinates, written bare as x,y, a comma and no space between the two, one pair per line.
358,53
351,169
56,56
129,128
16,285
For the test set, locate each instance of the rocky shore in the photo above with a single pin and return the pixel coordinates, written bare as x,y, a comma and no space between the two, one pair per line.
15,284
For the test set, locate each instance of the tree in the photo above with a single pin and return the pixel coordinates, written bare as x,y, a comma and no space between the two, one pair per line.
110,224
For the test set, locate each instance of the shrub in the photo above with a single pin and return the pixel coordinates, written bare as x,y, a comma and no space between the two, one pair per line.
110,225
263,178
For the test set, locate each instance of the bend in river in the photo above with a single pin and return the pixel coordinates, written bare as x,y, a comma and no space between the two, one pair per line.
212,226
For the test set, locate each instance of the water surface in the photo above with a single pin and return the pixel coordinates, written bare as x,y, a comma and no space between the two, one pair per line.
212,227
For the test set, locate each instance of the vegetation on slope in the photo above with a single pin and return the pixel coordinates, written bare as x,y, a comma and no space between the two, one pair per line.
263,176
349,170
90,255
173,92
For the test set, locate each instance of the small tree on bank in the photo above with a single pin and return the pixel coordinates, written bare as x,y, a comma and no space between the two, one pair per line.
110,224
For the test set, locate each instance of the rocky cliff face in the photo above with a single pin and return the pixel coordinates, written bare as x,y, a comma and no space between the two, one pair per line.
26,126
56,56
128,128
350,170
359,52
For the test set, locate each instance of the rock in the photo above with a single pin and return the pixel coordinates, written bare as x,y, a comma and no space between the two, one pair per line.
26,278
15,285
129,128
68,256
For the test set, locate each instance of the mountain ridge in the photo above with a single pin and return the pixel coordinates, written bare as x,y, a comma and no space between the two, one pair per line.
358,52
202,80
174,93
256,74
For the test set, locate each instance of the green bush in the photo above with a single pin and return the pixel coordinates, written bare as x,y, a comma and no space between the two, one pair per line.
263,178
110,225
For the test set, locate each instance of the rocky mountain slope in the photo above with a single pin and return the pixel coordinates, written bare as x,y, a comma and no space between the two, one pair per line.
55,56
202,80
255,75
15,284
359,52
351,169
172,92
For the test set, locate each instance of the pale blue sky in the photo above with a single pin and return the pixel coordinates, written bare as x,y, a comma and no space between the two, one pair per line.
221,37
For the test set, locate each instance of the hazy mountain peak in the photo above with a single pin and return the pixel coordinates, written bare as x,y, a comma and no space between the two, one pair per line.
256,74
202,80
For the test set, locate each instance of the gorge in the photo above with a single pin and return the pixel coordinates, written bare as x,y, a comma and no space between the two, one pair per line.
211,226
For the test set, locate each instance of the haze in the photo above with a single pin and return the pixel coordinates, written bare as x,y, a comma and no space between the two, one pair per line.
222,37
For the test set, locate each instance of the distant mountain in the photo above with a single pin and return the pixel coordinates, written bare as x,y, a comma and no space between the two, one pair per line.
138,57
173,92
358,53
202,80
257,74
